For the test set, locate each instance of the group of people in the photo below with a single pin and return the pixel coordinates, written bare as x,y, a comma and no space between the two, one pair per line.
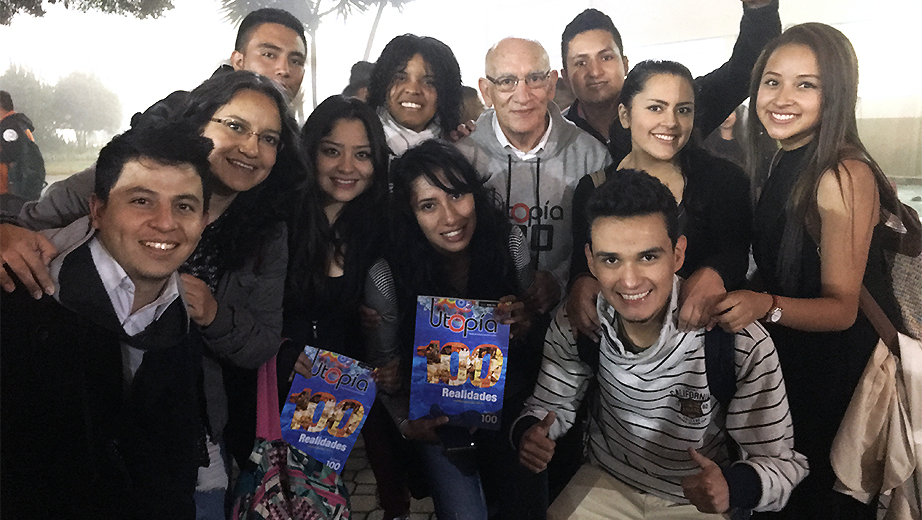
213,236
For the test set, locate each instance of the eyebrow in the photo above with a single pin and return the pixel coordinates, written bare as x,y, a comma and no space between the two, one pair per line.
187,196
683,103
274,47
816,76
245,121
327,140
589,54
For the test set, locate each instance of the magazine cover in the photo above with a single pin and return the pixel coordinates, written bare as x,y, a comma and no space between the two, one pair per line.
459,364
325,412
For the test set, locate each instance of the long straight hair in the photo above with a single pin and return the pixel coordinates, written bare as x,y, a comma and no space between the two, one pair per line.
835,141
357,234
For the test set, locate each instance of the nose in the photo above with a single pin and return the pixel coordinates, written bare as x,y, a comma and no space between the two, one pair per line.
249,145
630,277
669,118
451,215
522,93
594,68
282,68
347,163
163,218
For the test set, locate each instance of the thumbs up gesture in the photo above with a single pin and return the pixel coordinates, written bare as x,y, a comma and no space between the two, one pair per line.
535,449
707,490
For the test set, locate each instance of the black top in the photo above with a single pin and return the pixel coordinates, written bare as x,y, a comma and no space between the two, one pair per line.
717,217
719,92
821,369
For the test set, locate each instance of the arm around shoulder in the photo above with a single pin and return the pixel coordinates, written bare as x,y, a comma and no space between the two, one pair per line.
247,329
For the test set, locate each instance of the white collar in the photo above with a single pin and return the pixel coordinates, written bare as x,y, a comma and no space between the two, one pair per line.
670,328
401,138
121,290
530,154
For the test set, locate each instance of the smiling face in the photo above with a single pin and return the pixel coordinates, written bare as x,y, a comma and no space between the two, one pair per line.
790,96
153,219
447,221
595,68
412,98
661,117
344,165
276,52
634,261
522,114
241,160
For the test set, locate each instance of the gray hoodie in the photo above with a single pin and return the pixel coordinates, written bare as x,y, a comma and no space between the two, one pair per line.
538,193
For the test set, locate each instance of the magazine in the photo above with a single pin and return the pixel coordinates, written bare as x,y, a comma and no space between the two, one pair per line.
325,412
459,363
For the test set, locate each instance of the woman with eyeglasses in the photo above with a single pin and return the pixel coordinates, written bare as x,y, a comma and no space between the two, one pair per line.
416,90
233,281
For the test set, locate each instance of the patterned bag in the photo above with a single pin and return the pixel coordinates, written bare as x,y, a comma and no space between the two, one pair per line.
281,482
903,249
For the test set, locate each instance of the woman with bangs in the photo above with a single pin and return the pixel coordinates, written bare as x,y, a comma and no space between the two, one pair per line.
449,238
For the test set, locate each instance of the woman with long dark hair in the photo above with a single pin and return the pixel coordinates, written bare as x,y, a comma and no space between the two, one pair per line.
450,239
816,242
338,233
658,107
416,90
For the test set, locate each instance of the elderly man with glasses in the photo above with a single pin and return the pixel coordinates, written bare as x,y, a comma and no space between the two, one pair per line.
532,157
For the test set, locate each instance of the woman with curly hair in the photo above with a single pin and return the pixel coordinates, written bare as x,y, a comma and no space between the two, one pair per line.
416,90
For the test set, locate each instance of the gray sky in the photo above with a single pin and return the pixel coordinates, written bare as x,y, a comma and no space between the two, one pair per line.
144,60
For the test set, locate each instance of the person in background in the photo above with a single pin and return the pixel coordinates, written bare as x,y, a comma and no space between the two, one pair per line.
20,175
359,78
817,241
471,106
726,141
101,402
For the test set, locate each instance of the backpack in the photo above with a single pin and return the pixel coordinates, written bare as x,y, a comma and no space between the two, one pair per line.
27,174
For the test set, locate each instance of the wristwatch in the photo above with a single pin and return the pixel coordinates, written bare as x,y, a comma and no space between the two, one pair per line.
773,314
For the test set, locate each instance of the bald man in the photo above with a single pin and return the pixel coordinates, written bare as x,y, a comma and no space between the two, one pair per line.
531,156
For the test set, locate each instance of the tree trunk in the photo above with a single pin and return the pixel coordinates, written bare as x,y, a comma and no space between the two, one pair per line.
313,34
374,28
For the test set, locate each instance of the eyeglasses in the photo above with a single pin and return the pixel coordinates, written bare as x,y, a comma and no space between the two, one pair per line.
242,130
534,80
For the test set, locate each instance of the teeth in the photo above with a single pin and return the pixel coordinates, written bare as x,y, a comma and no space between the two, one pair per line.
452,234
345,182
241,164
407,104
159,245
664,137
783,117
633,297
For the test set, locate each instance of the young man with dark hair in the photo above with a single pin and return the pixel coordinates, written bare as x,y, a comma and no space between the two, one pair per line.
594,65
271,42
658,434
101,399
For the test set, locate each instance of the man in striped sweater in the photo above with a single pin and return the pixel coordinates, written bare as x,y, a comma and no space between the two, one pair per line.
657,436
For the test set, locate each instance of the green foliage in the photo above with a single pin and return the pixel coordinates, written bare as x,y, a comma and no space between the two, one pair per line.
137,8
79,102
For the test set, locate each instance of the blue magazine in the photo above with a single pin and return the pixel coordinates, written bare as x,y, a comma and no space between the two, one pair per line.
459,363
325,412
